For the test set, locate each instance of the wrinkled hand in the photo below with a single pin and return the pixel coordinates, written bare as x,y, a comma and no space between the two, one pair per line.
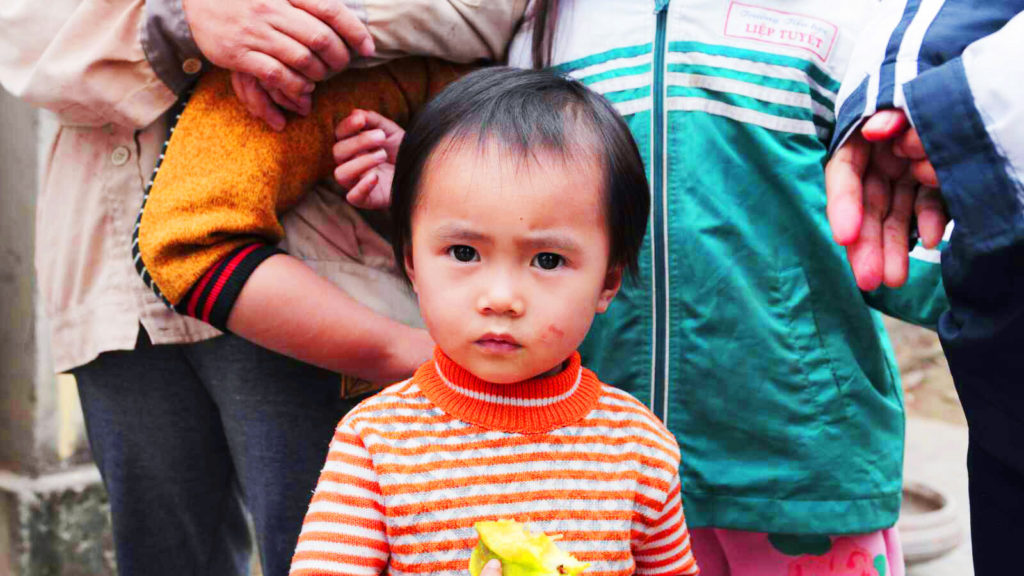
877,182
909,146
286,44
492,568
365,154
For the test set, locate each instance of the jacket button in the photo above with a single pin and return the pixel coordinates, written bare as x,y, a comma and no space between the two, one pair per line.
192,65
120,156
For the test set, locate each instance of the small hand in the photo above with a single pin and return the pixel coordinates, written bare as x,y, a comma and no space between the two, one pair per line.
872,197
264,103
492,568
365,153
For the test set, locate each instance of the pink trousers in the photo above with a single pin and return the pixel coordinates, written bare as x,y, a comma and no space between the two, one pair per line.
736,553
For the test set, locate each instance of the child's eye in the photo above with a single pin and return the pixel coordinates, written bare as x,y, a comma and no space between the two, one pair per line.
463,253
548,260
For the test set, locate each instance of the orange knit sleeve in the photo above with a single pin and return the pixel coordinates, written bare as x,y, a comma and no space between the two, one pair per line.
665,548
212,211
344,532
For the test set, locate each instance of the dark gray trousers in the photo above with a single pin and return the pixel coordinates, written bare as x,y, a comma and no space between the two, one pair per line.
186,435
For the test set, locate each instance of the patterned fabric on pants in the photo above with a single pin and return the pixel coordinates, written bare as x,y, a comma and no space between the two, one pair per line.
737,553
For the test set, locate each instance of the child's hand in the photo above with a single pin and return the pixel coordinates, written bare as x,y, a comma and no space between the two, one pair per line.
492,568
260,100
365,153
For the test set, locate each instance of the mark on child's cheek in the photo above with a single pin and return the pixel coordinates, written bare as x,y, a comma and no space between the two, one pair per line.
555,332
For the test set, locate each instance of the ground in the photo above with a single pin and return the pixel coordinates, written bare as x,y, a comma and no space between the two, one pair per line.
927,385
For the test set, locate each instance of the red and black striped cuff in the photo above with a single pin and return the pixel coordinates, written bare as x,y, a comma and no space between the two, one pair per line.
213,296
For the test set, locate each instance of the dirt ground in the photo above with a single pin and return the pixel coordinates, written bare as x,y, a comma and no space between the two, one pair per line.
927,385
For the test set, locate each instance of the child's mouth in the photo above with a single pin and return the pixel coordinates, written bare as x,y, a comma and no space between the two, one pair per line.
498,343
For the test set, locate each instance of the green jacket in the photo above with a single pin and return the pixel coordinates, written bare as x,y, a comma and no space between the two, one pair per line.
747,332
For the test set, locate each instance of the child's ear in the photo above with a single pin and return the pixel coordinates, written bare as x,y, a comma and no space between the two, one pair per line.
407,262
612,283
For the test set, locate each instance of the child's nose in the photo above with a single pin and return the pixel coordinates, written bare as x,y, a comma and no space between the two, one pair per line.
500,298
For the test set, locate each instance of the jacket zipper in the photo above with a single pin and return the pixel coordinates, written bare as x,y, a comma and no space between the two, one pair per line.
659,232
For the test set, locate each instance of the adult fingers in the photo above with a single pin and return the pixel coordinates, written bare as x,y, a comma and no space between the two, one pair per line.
909,145
298,57
843,187
316,36
865,255
924,173
932,217
350,125
896,234
885,162
884,125
256,100
348,174
285,34
361,143
335,14
272,74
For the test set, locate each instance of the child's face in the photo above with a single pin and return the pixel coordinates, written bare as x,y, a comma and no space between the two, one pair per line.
509,258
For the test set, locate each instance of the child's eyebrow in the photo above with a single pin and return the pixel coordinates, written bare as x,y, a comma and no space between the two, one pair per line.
550,241
459,233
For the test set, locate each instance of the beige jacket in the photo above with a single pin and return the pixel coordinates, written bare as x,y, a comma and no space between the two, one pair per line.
85,61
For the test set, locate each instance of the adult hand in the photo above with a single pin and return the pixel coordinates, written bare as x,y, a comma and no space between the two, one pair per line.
286,44
365,153
492,568
910,147
876,183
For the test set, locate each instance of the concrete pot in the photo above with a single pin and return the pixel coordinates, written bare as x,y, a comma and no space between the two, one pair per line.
928,522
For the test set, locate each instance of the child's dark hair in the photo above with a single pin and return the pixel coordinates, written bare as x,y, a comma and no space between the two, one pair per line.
528,111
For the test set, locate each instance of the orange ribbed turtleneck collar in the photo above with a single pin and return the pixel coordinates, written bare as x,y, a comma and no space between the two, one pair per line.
531,406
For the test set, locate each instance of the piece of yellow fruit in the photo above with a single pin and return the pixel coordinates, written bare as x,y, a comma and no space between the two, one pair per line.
521,552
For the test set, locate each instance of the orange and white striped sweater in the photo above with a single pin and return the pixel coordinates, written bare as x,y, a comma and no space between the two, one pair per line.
411,469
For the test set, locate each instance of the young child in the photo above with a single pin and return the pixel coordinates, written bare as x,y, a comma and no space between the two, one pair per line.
519,201
748,325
